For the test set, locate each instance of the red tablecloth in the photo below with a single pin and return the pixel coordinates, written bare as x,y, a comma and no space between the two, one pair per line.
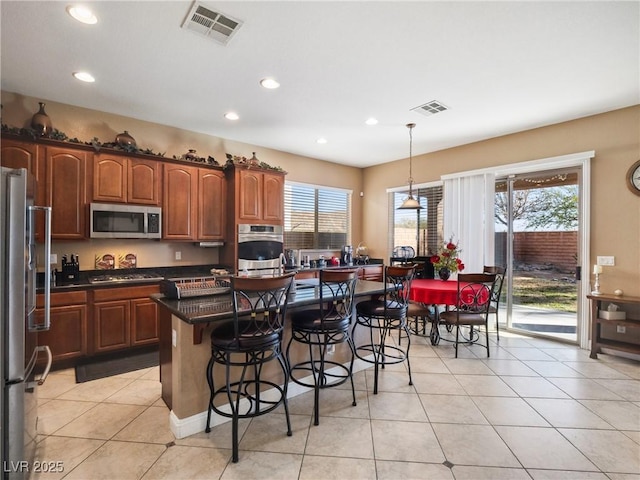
439,292
434,291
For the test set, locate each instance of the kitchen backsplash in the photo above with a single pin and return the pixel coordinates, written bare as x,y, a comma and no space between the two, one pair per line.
148,253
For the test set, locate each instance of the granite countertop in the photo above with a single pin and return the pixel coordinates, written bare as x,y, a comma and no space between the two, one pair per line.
82,283
219,307
160,272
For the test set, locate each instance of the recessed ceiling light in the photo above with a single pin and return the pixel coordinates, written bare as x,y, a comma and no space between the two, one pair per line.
84,77
82,14
321,140
269,83
371,121
231,116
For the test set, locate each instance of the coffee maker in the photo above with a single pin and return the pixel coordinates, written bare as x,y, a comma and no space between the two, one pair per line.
347,255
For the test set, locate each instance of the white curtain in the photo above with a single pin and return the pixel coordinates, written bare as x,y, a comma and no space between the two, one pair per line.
469,218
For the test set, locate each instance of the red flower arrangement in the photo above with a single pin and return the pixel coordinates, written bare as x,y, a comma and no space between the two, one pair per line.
448,257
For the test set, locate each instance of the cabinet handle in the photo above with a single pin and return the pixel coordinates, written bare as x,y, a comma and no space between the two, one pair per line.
47,274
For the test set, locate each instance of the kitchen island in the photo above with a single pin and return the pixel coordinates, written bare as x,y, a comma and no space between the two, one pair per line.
185,326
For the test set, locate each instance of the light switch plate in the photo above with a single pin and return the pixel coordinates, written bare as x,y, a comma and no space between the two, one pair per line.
607,261
174,338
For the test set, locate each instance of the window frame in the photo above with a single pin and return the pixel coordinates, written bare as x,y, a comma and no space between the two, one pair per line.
317,235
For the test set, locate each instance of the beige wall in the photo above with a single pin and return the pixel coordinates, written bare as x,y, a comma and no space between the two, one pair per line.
614,136
86,124
615,211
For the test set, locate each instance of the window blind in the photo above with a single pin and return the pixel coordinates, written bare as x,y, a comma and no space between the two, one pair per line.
420,229
316,217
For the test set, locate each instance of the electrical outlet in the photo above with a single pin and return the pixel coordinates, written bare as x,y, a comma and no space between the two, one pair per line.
53,258
174,338
621,329
607,261
331,349
178,255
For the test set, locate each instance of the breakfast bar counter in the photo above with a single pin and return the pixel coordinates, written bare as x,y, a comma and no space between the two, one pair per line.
184,328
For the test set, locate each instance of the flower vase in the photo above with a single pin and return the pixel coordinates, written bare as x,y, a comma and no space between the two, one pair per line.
444,273
41,122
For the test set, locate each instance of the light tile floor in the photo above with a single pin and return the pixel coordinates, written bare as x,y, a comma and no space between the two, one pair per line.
535,410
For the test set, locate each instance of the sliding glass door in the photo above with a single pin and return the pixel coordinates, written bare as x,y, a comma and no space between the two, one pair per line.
537,224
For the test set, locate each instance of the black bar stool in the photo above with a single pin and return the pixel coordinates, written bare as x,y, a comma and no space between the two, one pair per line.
318,328
245,344
381,317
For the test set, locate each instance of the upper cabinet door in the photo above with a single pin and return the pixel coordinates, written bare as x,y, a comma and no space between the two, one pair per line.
125,180
180,202
212,199
16,154
110,179
273,198
67,192
250,195
144,182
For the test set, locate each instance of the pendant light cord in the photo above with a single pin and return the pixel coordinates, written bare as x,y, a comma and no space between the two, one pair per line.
410,127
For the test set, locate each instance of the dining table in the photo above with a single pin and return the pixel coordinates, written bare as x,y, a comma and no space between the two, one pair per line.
436,293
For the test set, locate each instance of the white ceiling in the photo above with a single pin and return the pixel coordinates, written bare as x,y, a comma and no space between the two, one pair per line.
500,67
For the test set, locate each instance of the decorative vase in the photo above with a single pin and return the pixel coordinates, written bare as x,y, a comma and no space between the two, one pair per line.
191,155
444,273
41,122
124,139
253,161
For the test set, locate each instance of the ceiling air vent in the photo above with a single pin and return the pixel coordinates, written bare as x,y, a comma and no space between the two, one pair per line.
208,23
430,108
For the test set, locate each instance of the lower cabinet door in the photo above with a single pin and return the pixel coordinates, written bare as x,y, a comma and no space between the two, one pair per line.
67,337
112,325
144,322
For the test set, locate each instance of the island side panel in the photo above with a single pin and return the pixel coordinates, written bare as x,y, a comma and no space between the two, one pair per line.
190,392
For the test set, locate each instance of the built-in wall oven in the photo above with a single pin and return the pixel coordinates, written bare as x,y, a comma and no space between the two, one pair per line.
260,249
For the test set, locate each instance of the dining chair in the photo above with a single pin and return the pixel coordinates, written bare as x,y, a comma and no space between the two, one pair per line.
494,307
325,325
381,316
243,346
475,291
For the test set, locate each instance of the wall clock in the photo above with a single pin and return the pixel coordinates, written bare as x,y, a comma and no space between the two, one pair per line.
633,178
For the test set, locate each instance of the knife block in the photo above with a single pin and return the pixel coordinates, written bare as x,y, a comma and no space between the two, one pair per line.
70,272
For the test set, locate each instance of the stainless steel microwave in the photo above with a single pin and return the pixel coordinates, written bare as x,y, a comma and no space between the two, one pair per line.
111,220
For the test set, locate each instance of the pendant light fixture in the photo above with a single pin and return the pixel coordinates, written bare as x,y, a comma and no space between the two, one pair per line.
410,203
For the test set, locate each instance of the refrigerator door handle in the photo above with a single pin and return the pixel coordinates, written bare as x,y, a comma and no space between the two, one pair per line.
47,276
45,374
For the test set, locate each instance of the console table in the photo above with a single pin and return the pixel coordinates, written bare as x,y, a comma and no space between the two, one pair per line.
598,302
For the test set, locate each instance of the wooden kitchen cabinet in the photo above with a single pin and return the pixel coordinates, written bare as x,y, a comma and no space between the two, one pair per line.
194,205
18,154
66,194
259,196
371,272
212,200
67,336
61,183
144,322
180,187
126,180
124,317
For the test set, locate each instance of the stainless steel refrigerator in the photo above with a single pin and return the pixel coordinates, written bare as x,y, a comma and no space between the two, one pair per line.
19,349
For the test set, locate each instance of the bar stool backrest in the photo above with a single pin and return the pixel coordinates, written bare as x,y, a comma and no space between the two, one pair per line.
337,288
260,304
398,282
475,291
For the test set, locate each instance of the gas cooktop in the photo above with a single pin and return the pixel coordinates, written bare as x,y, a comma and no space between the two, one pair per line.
126,277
